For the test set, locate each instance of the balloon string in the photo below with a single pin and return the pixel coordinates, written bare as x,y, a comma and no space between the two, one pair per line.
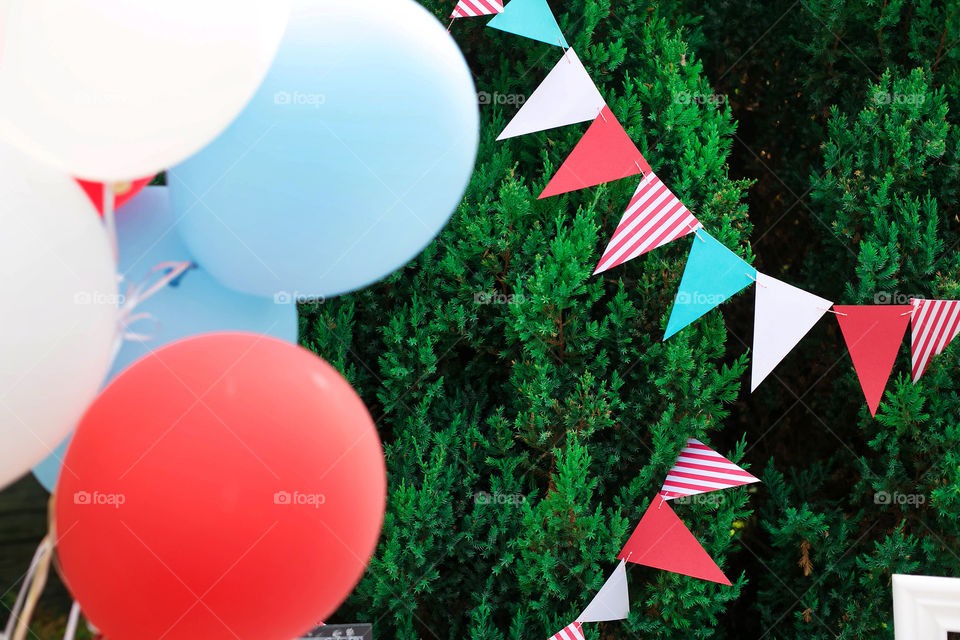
72,622
696,232
33,583
35,579
839,313
24,589
755,280
136,294
109,217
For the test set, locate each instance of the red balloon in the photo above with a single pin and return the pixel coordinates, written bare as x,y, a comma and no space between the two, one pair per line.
122,192
227,485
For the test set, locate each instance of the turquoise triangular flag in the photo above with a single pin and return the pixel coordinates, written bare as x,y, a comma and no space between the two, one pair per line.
530,19
713,274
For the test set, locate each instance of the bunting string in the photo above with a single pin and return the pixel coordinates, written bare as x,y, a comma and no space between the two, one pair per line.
655,216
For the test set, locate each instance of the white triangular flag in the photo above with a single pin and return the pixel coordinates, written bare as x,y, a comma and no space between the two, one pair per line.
612,602
782,316
566,96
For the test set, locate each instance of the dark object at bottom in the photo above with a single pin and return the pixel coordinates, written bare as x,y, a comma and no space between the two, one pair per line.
359,631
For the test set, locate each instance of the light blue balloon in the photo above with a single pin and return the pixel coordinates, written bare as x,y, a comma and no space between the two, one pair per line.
48,471
346,163
194,303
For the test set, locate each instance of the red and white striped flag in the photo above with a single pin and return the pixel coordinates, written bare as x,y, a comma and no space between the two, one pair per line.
700,469
474,8
572,631
654,217
935,323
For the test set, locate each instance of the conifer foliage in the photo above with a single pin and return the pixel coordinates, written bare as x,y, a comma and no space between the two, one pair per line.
848,117
529,410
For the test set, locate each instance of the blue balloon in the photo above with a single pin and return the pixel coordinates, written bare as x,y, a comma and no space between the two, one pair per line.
193,303
48,471
347,162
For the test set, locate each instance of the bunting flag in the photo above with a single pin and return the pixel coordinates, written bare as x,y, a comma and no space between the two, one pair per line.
783,314
572,631
654,217
566,96
713,274
934,324
530,19
662,541
612,602
700,469
605,153
474,8
873,334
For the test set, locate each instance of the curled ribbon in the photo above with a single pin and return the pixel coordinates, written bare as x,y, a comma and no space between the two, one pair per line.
139,293
135,294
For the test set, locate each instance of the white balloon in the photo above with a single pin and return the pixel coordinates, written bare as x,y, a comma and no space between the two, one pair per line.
121,89
58,309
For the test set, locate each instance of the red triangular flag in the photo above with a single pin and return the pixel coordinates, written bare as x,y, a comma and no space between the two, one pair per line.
122,191
604,153
662,541
873,334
